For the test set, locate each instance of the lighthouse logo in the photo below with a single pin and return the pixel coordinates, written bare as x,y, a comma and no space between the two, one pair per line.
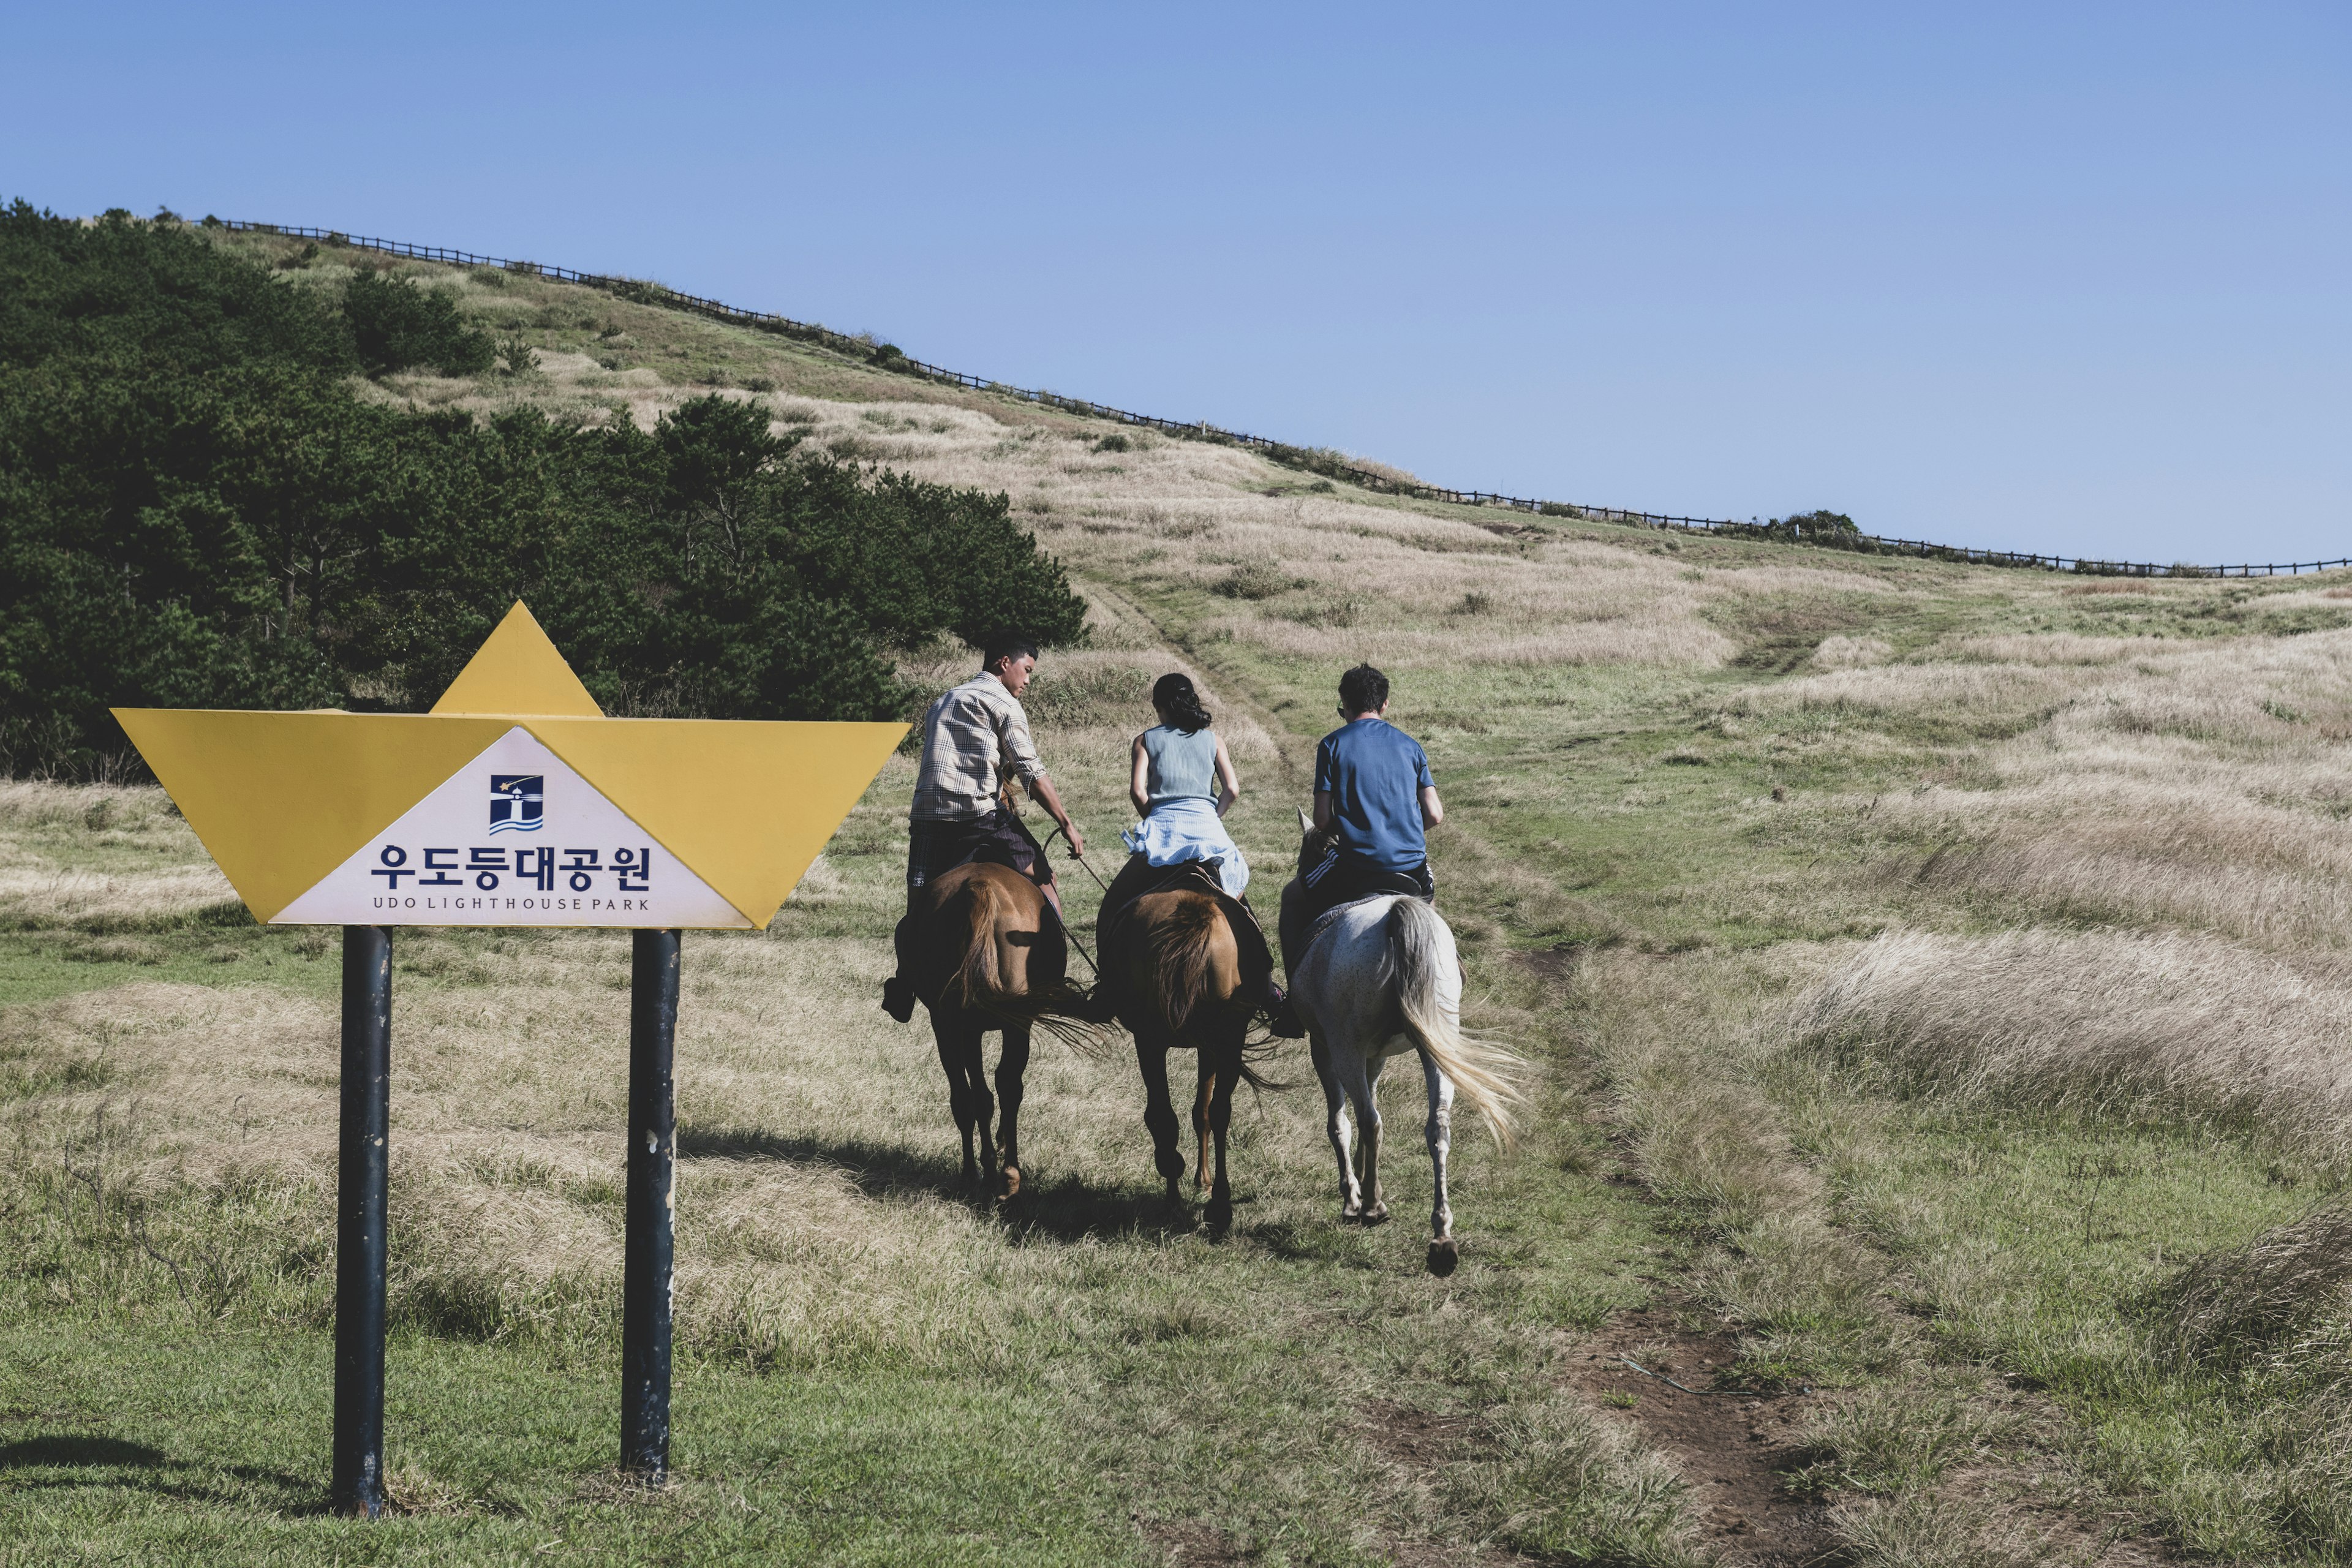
516,803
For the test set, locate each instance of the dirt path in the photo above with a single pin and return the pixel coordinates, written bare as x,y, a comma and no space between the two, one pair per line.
1735,1449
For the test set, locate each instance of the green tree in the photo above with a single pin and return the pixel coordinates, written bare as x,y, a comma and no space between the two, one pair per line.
395,325
196,510
156,295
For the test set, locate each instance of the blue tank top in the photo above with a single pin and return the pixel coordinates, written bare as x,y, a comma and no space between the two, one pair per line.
1179,766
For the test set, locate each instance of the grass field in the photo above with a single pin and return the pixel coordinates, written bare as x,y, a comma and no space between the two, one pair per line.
1935,978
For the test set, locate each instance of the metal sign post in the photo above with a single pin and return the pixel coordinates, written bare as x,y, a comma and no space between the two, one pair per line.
515,801
652,1207
360,1230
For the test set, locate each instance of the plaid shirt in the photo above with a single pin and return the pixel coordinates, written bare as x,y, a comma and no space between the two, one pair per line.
975,737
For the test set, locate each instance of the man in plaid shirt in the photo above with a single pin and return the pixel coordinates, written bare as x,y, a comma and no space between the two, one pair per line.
975,741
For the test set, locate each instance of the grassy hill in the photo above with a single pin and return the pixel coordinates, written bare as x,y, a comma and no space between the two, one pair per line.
1937,976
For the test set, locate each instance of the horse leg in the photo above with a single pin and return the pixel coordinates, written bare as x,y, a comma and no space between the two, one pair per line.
946,1028
1443,1252
1365,1092
1335,1123
1204,1082
1010,1066
983,1104
1221,1118
1160,1115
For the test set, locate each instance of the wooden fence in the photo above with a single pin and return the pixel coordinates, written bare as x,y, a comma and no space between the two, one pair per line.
1311,459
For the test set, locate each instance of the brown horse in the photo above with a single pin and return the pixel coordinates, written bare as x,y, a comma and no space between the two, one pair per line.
987,953
1182,977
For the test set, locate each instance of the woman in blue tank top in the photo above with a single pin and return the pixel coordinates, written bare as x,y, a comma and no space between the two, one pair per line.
1183,783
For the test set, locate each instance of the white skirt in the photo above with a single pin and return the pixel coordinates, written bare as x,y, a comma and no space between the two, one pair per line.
1188,829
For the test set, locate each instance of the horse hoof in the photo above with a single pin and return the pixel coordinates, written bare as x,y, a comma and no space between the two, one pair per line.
1444,1255
1376,1215
1221,1215
1009,1185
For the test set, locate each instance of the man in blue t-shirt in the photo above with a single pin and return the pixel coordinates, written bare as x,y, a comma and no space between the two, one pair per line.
1374,795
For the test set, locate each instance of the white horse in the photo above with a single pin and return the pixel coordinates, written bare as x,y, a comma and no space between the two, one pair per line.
1380,980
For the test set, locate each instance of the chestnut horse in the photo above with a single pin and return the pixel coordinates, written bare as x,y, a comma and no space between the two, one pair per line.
987,953
1181,977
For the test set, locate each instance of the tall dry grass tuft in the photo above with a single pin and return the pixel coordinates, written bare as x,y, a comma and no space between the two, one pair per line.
2061,649
2288,1289
1842,652
2101,1023
2273,1319
1930,1531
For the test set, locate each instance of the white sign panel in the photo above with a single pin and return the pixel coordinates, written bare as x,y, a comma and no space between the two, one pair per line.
513,839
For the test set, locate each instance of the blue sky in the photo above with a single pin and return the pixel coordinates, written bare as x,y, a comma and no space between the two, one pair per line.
2075,279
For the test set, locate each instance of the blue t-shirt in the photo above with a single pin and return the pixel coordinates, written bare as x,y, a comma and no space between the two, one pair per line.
1375,774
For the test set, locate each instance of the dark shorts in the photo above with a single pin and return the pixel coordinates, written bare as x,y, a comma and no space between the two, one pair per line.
935,849
1339,878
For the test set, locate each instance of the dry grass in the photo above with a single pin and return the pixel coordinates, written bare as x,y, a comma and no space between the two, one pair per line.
1842,652
1366,572
2106,1023
70,853
2207,784
1689,1067
507,1214
2065,649
1555,1478
1971,693
2287,1291
1931,1531
49,894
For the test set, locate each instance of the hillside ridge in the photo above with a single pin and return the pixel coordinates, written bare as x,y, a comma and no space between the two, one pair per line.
1319,460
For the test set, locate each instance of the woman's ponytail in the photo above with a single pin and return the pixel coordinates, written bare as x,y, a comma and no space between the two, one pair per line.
1180,704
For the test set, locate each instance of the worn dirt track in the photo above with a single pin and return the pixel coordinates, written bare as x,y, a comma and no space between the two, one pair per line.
1736,1447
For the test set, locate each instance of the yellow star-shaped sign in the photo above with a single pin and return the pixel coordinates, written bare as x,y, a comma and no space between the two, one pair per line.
514,802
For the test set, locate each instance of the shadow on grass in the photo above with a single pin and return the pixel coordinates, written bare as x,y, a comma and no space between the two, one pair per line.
76,1450
1069,1208
153,1472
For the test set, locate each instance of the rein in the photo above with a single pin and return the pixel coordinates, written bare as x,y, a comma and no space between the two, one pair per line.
1081,859
1070,935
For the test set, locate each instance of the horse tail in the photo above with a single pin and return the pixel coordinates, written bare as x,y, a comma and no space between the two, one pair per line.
1482,1073
979,982
979,976
1181,975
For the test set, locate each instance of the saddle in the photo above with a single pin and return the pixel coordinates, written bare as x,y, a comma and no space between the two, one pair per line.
1327,920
